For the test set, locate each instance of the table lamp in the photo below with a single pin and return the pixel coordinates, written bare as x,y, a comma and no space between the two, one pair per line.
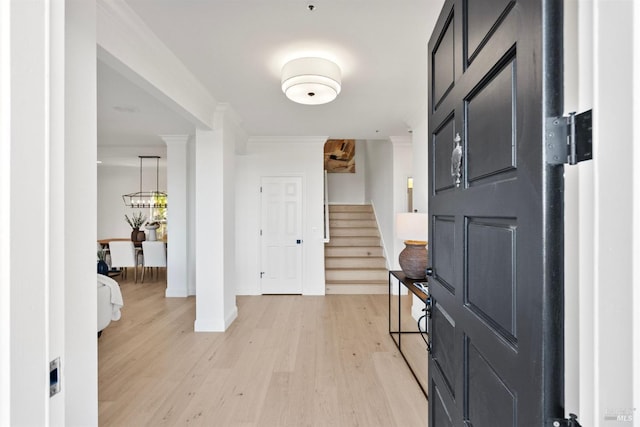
412,228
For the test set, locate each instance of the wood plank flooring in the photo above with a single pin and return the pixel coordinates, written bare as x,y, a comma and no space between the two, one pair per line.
285,361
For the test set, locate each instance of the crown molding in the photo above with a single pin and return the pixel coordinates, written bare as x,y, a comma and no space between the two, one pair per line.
288,139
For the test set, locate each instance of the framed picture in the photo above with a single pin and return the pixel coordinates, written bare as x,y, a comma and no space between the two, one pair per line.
339,156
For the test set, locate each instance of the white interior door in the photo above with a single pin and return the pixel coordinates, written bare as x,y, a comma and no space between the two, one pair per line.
281,235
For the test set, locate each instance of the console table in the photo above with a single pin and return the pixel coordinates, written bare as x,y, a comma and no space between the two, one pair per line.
409,334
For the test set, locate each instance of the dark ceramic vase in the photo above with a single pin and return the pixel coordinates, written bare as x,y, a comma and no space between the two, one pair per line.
103,267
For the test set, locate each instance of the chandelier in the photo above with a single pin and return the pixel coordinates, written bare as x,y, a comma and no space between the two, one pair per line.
146,199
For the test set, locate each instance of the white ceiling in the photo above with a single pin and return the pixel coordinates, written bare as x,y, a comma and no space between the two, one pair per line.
236,48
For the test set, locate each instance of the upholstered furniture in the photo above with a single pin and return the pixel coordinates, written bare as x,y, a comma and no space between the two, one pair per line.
123,255
109,301
154,255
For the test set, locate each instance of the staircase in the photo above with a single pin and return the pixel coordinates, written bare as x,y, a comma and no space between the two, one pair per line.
354,260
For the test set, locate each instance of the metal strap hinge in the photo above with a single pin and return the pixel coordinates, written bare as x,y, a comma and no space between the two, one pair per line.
572,421
569,139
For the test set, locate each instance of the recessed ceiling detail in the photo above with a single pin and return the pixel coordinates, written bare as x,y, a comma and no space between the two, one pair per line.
311,81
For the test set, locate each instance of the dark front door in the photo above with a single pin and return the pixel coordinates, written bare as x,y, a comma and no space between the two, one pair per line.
495,205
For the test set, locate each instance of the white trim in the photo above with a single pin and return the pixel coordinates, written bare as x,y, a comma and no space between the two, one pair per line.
636,205
287,139
5,213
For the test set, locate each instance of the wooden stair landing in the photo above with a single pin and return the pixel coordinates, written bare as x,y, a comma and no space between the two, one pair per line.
354,260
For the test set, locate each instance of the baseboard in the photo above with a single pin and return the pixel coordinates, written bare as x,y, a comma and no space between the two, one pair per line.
357,289
213,325
176,293
231,317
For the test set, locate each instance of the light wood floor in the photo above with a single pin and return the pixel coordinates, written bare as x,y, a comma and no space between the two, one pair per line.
285,361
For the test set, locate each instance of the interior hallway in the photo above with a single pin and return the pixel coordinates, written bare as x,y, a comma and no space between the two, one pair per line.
286,361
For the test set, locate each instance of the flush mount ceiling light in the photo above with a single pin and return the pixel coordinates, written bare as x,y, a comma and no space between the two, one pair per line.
311,81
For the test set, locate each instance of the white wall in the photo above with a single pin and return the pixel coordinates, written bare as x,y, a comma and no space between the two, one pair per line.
348,188
5,213
379,190
113,182
613,131
47,141
635,235
420,167
286,156
600,219
402,170
80,369
191,218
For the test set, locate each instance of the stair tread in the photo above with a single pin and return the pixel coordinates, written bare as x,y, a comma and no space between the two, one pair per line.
356,231
355,257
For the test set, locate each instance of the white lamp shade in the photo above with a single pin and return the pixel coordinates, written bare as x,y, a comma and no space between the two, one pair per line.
412,226
311,81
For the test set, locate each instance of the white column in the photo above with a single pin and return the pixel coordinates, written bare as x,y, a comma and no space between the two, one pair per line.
210,232
177,226
215,218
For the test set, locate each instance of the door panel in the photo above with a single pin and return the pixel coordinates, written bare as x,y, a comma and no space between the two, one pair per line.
442,146
443,63
442,248
490,120
483,18
491,280
443,359
438,408
496,239
491,401
281,235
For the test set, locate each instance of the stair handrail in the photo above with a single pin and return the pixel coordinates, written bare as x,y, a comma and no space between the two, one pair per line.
327,237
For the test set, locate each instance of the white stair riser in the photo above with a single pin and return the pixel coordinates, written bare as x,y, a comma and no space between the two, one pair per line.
356,275
354,241
354,232
352,216
356,223
353,251
350,208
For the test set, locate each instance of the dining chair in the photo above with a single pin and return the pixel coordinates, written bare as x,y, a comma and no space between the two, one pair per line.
154,254
123,255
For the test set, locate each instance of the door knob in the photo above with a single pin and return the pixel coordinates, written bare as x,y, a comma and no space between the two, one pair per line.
429,271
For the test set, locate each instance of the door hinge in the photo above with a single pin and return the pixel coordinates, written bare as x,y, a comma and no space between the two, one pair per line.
261,274
569,139
572,421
